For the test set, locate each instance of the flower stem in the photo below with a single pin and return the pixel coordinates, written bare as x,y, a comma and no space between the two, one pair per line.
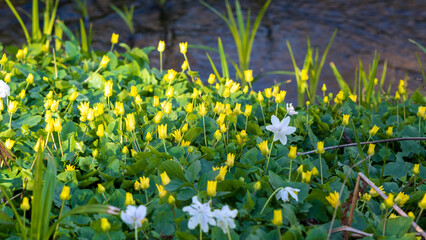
164,144
10,120
289,172
161,62
109,238
204,128
341,135
322,182
269,199
146,196
201,233
227,228
136,231
60,213
269,157
279,232
264,121
418,217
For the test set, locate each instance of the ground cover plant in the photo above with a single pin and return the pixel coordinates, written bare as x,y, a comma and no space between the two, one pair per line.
104,145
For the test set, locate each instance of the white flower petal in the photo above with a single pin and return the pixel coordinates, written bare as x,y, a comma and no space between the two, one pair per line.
193,222
289,130
284,123
272,128
275,121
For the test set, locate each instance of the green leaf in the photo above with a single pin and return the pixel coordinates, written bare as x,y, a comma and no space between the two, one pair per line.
192,134
317,233
173,169
396,226
191,173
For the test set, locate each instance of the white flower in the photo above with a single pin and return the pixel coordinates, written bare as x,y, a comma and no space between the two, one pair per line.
225,218
201,214
280,129
134,215
4,89
290,109
283,194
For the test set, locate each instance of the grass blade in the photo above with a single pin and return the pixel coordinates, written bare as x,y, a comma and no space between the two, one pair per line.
214,68
37,202
418,45
84,47
343,85
224,63
48,191
15,212
35,21
24,28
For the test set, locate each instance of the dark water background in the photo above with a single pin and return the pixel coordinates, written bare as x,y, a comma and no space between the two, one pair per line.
363,27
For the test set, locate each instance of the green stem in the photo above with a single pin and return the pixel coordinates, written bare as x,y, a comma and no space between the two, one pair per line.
109,238
341,135
161,62
204,128
384,162
164,144
23,226
10,120
418,217
264,121
322,182
269,199
146,196
136,230
289,172
201,233
279,232
60,213
269,156
227,228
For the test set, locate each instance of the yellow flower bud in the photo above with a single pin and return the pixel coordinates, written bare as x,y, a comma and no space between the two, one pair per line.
8,77
65,194
9,143
345,120
22,94
165,178
333,199
157,118
268,92
211,188
144,182
183,47
257,186
161,46
130,122
148,137
222,173
108,88
101,189
320,148
73,96
104,61
248,74
169,92
161,191
138,99
263,146
114,38
370,150
101,131
104,223
30,79
324,87
389,131
278,218
212,79
119,108
129,199
292,152
389,201
230,160
57,125
202,109
314,171
125,150
374,130
12,107
133,91
411,215
25,205
416,169
422,203
260,97
162,131
171,200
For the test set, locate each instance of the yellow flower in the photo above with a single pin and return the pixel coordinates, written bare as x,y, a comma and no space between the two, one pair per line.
279,98
370,150
421,111
165,178
320,148
393,215
20,54
306,177
333,199
137,186
3,59
22,94
211,188
100,131
212,79
138,99
171,200
278,218
84,108
177,134
101,188
422,203
374,193
268,92
104,61
57,125
25,205
299,169
263,146
161,191
39,145
91,114
65,194
8,77
170,75
389,131
169,92
49,126
217,135
222,173
12,107
374,130
257,186
324,88
69,168
223,128
248,74
148,137
144,182
108,88
245,90
189,108
237,109
397,96
340,95
260,97
133,91
157,118
162,131
230,158
389,201
73,96
226,92
55,105
314,171
114,38
345,120
195,93
411,215
183,47
167,107
243,134
105,225
202,109
161,46
292,152
416,169
130,122
185,143
125,150
366,197
401,199
30,79
353,97
304,74
129,199
9,143
95,153
325,100
119,108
